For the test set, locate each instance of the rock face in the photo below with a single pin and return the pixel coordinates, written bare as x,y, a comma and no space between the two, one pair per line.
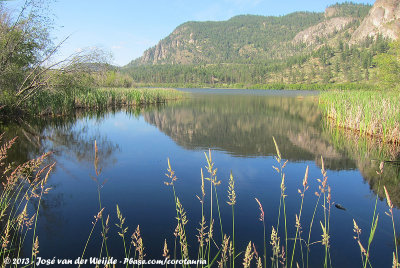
324,29
383,18
330,12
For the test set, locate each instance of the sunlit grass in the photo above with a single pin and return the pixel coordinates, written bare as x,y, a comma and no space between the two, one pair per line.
60,102
375,113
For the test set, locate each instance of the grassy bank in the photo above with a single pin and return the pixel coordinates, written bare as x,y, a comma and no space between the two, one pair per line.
278,86
375,113
65,102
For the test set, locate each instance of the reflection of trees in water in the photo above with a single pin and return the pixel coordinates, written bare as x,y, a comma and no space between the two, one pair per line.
61,135
244,126
67,137
368,154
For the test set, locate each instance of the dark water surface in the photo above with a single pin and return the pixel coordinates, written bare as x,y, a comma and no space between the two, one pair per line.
238,126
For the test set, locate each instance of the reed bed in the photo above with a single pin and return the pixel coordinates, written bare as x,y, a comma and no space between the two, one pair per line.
60,102
374,113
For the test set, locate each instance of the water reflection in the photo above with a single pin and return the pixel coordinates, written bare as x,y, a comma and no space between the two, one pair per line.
134,145
244,127
368,153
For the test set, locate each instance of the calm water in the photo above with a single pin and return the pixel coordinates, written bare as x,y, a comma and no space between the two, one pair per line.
238,126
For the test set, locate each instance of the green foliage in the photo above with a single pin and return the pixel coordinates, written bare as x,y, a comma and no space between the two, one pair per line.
338,65
258,50
24,41
351,9
389,66
242,39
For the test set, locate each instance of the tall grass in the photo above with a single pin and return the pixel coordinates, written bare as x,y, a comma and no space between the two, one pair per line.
61,102
375,113
23,184
23,188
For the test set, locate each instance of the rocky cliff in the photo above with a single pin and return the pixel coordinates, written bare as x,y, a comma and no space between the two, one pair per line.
383,18
250,39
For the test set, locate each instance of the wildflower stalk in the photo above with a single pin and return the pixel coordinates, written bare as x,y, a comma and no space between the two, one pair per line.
298,218
390,204
96,218
181,225
213,182
262,219
232,202
374,222
42,191
283,188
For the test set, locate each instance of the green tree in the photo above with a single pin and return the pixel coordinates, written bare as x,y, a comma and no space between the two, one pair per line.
388,66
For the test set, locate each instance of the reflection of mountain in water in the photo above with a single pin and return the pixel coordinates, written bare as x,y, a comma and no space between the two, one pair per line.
368,154
244,126
59,136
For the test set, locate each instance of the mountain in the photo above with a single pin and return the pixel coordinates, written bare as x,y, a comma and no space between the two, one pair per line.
335,46
383,18
250,39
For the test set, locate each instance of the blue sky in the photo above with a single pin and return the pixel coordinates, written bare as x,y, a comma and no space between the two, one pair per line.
128,27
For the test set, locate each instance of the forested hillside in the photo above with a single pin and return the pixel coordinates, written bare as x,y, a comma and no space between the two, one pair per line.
298,48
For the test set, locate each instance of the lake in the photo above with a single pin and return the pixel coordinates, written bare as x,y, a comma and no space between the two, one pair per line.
238,126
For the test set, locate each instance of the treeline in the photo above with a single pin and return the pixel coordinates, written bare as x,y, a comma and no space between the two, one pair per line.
339,64
351,9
